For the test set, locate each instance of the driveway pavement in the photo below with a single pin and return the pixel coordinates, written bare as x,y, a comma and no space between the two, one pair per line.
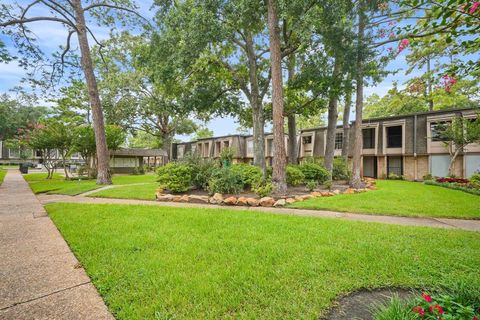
40,276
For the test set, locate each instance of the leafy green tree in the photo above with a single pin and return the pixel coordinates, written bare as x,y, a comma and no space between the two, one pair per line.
15,114
220,48
456,21
72,15
203,133
136,97
457,135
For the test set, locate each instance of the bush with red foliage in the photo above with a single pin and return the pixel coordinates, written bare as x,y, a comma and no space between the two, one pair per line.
453,180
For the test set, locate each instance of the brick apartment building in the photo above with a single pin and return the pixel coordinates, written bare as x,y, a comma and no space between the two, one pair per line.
408,145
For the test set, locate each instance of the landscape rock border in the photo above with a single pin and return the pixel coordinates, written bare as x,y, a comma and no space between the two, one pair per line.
278,202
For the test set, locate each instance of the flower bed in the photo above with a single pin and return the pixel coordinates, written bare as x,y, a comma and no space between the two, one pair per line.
465,185
441,305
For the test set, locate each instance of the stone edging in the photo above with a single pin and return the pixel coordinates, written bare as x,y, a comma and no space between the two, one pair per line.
219,199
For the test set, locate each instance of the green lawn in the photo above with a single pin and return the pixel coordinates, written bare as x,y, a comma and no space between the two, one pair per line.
58,185
140,192
2,175
402,198
177,263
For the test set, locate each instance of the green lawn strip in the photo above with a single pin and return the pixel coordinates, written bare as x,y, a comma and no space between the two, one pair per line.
3,173
187,263
402,198
58,185
140,192
129,179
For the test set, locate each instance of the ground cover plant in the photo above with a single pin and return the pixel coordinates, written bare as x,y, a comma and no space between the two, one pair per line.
184,263
471,185
402,198
58,185
459,302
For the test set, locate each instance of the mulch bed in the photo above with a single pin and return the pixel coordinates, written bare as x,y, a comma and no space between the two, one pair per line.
358,305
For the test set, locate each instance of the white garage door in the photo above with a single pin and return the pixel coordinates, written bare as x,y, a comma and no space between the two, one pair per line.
439,165
472,164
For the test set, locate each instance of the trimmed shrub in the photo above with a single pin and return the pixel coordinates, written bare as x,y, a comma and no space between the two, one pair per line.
314,171
295,176
340,170
225,180
250,174
202,169
263,189
475,179
176,177
393,176
311,185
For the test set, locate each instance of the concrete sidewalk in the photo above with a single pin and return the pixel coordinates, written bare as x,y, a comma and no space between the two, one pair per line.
40,276
470,225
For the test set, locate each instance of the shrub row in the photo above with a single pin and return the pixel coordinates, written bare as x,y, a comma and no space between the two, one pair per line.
212,176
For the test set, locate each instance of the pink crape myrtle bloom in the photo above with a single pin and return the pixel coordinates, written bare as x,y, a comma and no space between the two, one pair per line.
403,44
448,82
474,7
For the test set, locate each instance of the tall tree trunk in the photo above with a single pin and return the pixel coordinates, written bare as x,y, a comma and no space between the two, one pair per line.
332,117
103,173
429,86
257,107
166,142
291,119
346,120
356,181
279,156
453,157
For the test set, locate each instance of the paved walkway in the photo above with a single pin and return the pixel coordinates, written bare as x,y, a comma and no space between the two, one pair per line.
471,225
40,278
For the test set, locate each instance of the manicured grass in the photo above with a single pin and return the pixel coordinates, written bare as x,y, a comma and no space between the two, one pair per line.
402,198
153,262
58,185
140,192
129,179
3,173
9,166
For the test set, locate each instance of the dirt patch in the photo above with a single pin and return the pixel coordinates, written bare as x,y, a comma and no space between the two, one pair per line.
358,305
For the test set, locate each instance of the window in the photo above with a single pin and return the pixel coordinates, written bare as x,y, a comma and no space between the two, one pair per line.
13,153
307,139
339,141
206,149
368,138
249,147
218,148
394,137
395,166
180,151
38,153
437,130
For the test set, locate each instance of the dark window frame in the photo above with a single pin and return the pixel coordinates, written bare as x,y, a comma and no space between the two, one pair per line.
338,141
436,136
369,138
395,139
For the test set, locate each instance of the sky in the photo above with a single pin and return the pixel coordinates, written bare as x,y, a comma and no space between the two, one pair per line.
51,35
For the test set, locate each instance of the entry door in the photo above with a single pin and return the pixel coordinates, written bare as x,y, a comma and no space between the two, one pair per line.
370,167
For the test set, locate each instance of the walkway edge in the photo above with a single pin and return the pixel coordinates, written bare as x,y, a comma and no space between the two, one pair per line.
469,225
